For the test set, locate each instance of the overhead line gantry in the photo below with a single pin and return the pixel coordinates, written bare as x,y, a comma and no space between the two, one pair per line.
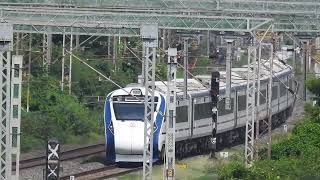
224,15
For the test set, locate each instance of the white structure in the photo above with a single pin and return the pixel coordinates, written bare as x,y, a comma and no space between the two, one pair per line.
15,120
6,38
171,115
149,33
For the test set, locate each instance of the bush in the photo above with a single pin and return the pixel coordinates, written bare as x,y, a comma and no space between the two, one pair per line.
232,170
55,115
313,85
295,157
29,143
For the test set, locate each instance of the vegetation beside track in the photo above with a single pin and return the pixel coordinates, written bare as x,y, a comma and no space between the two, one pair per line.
71,119
296,156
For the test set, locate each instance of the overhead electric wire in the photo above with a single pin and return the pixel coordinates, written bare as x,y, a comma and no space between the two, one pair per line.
142,63
197,79
102,75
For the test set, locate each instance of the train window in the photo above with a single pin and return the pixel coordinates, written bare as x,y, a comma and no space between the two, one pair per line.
129,111
242,102
221,107
274,92
202,111
283,90
182,114
263,96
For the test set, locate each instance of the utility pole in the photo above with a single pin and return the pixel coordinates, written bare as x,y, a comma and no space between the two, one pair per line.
114,53
215,91
15,119
208,43
228,73
270,101
77,42
47,51
294,56
109,46
141,78
169,37
164,39
63,60
304,66
29,71
258,102
250,111
185,71
6,39
70,62
18,43
171,115
149,33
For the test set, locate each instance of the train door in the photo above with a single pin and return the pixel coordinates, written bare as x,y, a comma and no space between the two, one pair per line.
202,121
283,94
274,98
182,120
241,107
263,106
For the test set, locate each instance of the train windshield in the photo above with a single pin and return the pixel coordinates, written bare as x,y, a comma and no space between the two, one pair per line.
129,111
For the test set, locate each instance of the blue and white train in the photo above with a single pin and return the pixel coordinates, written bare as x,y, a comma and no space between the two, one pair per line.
124,114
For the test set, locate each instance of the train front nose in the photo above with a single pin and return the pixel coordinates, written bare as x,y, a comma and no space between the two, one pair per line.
137,138
129,138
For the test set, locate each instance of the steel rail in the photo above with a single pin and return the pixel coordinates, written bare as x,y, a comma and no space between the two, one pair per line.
101,173
64,156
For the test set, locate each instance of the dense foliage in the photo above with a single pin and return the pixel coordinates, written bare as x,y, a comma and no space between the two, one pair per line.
74,118
54,114
69,118
295,157
314,87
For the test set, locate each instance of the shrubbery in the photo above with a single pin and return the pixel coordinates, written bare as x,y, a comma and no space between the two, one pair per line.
296,157
55,114
69,118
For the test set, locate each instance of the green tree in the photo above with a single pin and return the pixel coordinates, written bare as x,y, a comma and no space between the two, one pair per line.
55,114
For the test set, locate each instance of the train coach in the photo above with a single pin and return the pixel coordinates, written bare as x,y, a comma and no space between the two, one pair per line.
124,114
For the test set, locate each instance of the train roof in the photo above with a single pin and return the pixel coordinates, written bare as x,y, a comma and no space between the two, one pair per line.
200,84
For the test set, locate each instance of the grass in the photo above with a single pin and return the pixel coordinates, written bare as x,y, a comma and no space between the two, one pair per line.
92,137
198,168
201,167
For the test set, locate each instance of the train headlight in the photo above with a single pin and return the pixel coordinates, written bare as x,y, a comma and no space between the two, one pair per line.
111,127
136,92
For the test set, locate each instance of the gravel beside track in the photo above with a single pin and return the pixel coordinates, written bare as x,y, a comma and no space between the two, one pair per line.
102,173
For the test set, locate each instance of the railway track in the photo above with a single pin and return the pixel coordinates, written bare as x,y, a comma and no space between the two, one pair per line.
102,173
65,155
